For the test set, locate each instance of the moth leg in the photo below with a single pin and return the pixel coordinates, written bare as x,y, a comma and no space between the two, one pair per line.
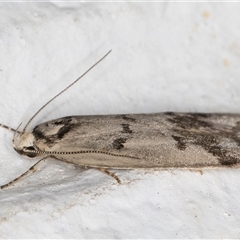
110,174
31,169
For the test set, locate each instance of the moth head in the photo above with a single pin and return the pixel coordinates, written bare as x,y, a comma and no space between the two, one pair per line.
23,143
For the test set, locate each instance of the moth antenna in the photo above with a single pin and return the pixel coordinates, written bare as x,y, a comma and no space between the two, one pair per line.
78,152
9,128
64,90
16,132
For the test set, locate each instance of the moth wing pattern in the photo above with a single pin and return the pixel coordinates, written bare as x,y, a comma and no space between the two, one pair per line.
161,140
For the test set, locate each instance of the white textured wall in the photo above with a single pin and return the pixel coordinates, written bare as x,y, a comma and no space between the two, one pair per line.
166,57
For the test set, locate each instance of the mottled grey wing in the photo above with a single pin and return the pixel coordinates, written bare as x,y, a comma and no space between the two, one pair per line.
165,140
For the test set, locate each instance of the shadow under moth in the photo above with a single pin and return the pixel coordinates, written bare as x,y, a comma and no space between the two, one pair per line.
158,140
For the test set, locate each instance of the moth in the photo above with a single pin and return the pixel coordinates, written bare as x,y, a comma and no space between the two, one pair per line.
130,141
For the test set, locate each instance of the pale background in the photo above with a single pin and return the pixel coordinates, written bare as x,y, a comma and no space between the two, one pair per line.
166,57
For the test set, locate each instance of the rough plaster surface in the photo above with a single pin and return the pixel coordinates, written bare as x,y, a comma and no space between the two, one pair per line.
166,57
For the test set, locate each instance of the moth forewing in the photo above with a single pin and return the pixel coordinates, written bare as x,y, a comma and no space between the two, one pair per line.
159,140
